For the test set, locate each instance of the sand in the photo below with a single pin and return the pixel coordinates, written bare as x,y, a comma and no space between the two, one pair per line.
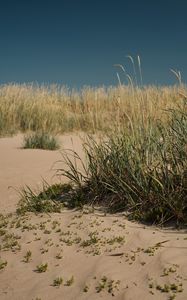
21,167
95,256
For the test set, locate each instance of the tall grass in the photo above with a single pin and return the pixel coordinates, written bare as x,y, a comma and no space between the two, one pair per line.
57,109
142,170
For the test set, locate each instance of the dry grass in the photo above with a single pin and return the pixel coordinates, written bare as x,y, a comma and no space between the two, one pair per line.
57,109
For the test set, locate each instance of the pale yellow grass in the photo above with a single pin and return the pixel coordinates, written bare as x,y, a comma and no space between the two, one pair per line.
59,109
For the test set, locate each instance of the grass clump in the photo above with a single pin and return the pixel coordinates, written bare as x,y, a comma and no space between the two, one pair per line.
109,285
142,170
70,281
40,140
10,242
50,199
27,257
41,268
86,289
3,264
57,281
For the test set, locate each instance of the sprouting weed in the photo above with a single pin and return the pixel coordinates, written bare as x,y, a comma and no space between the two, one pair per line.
3,264
169,270
59,256
41,268
85,289
57,281
70,281
110,285
27,256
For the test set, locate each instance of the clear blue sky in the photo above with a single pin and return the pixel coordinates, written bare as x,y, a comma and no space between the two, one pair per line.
77,42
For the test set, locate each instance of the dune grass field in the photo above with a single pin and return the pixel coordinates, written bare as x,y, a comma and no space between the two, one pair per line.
59,109
93,192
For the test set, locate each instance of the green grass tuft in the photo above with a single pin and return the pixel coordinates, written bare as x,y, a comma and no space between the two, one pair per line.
142,170
58,281
41,268
50,199
40,140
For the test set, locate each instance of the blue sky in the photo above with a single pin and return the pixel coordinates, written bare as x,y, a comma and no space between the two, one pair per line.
76,43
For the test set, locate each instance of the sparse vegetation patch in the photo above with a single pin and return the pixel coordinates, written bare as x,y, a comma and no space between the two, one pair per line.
40,140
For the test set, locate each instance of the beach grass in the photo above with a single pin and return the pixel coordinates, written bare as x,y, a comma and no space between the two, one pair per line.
139,165
141,170
57,109
40,140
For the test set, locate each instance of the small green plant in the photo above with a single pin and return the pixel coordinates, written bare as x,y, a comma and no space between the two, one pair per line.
112,286
70,281
27,256
102,284
46,231
108,284
3,264
86,288
2,232
93,239
3,221
10,242
151,285
40,140
116,239
50,199
164,289
169,270
171,287
59,256
57,281
41,268
55,224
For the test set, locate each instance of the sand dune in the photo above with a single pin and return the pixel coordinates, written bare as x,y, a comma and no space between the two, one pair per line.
97,256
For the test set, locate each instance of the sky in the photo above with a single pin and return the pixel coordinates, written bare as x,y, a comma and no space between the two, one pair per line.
76,43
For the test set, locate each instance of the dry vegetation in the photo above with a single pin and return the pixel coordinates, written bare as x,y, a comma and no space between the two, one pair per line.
57,109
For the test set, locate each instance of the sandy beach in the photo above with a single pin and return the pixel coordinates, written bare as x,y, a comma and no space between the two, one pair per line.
79,254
